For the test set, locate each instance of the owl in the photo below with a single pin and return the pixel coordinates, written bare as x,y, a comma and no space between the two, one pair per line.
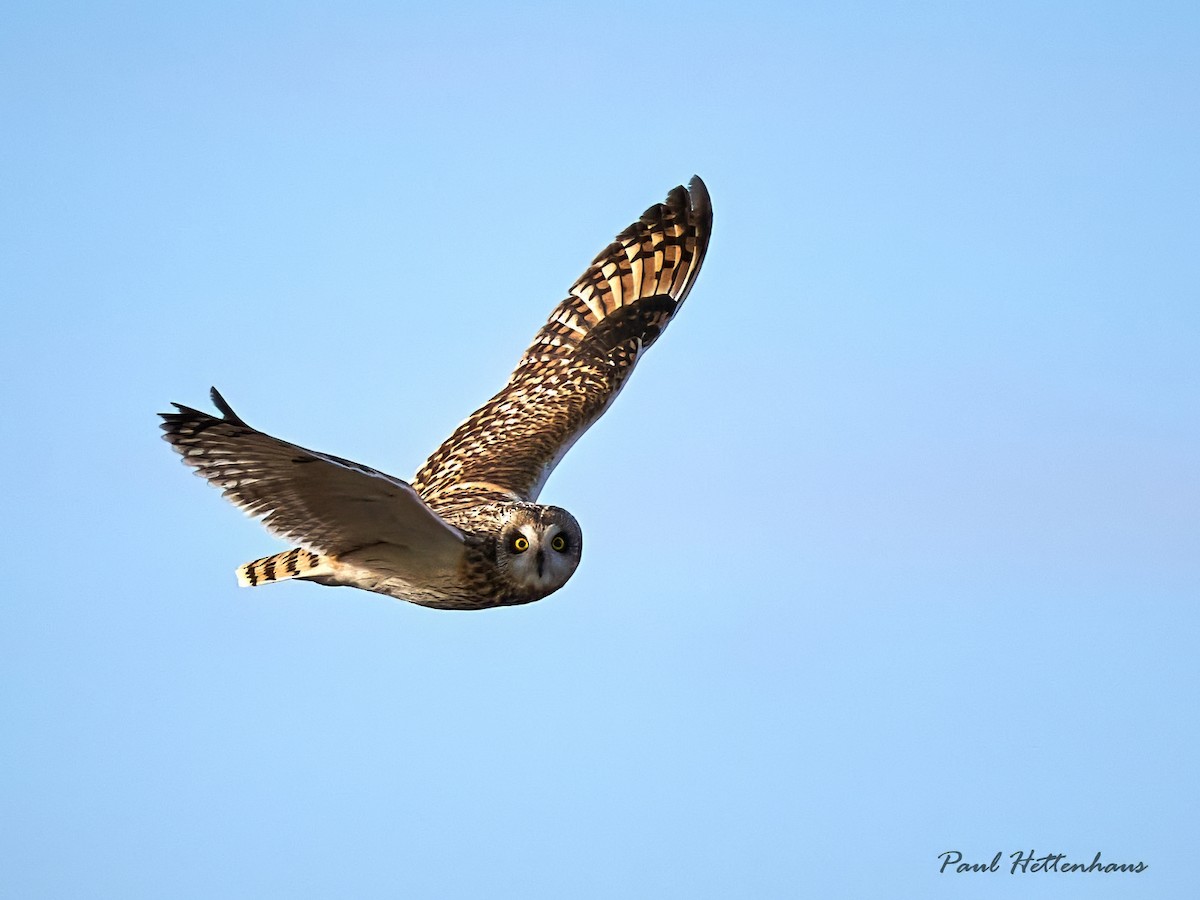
467,532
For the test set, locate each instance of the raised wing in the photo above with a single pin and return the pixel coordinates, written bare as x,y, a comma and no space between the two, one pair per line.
579,360
326,504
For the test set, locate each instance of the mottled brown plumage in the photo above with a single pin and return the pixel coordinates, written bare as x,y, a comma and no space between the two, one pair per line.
580,358
467,533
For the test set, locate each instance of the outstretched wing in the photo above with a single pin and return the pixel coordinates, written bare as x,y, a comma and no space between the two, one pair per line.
580,359
326,504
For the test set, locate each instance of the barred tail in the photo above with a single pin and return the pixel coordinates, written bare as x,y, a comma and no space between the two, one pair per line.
296,563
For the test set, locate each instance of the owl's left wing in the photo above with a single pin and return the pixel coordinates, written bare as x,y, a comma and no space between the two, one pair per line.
327,504
581,357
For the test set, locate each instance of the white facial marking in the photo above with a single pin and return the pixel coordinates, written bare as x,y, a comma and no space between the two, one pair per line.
557,565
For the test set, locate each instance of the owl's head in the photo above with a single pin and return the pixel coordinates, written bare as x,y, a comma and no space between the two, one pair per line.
539,547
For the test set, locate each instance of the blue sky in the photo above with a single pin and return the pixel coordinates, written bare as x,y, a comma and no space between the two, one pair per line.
892,541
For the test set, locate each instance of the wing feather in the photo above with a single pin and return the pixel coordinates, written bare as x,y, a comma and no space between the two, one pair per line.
324,503
580,359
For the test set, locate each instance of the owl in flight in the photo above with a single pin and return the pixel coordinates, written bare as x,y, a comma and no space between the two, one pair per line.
467,532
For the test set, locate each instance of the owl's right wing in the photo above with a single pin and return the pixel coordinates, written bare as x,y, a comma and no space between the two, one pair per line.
579,360
326,504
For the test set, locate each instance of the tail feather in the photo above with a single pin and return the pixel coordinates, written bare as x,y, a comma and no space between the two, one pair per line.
297,563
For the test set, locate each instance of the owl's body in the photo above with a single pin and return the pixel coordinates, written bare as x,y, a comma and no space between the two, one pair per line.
482,576
467,533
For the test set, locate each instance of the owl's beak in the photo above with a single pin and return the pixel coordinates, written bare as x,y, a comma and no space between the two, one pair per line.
541,561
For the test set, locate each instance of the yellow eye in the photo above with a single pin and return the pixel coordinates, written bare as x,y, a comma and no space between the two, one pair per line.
520,545
559,543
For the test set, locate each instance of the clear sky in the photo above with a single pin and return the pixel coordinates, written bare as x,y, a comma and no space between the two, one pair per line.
892,542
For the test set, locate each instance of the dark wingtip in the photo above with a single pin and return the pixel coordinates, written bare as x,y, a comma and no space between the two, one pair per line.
223,405
181,411
694,198
681,201
701,203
